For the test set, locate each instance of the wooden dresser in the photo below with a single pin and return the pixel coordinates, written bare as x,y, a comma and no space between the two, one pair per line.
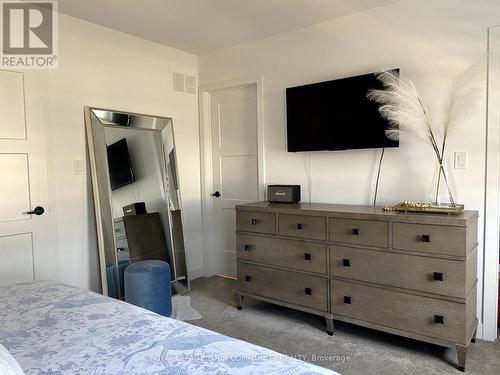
412,275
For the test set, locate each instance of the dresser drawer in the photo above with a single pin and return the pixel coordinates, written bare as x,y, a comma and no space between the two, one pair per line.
300,255
286,286
122,249
359,232
430,238
440,276
120,229
426,316
258,222
311,227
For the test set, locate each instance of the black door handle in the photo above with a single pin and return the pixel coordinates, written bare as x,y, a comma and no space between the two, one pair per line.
216,194
37,211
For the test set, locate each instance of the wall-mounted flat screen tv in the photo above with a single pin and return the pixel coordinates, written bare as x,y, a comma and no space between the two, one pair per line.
335,115
120,166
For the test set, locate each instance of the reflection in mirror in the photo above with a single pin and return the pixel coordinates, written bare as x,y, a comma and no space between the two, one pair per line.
136,195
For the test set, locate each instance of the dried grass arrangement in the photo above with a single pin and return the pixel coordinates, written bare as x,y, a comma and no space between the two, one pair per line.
401,104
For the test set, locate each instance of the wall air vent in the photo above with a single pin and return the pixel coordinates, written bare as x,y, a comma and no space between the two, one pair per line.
178,82
184,83
190,85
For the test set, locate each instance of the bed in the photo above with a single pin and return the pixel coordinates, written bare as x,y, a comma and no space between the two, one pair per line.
56,329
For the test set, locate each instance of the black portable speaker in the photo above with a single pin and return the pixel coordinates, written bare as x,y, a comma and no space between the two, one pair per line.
138,208
283,193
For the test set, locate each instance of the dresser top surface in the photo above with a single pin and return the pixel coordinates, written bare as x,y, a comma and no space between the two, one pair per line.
359,212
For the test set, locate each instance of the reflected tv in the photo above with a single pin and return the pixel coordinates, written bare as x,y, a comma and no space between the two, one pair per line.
120,166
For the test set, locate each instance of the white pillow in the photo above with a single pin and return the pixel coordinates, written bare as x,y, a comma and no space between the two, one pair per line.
8,365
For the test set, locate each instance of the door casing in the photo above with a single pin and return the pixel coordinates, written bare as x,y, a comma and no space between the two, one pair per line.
487,329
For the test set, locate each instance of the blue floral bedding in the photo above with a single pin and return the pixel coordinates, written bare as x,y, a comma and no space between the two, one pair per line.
51,328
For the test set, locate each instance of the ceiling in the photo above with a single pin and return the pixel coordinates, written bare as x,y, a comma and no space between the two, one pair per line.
201,26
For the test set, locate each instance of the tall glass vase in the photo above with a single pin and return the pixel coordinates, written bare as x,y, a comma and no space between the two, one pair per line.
443,189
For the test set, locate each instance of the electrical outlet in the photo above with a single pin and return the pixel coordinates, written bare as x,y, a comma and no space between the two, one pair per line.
79,168
460,160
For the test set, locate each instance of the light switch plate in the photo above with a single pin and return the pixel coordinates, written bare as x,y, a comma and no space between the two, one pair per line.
79,168
460,160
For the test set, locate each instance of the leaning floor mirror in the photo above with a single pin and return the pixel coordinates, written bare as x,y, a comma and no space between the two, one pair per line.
136,192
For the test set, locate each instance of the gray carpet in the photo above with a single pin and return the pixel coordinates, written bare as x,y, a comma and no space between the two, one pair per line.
351,350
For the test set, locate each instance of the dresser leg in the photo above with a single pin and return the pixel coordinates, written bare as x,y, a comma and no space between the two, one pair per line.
473,340
462,357
240,302
329,326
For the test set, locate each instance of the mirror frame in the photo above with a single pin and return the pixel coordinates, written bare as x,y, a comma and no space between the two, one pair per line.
99,195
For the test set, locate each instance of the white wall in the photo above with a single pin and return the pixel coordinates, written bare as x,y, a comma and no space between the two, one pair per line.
431,41
108,69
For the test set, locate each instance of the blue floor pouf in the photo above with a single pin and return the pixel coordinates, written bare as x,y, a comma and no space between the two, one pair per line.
147,284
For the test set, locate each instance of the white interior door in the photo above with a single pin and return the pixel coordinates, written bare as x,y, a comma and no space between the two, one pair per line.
234,164
26,249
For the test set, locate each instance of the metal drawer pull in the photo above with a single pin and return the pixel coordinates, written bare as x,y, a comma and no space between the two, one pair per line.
307,256
248,247
308,291
347,300
247,278
426,238
120,249
254,221
438,276
346,262
355,231
439,319
300,226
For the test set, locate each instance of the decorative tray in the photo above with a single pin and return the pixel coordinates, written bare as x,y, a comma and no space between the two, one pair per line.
408,206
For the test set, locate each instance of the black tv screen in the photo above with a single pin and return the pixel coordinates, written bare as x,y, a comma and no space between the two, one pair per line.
120,167
335,115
